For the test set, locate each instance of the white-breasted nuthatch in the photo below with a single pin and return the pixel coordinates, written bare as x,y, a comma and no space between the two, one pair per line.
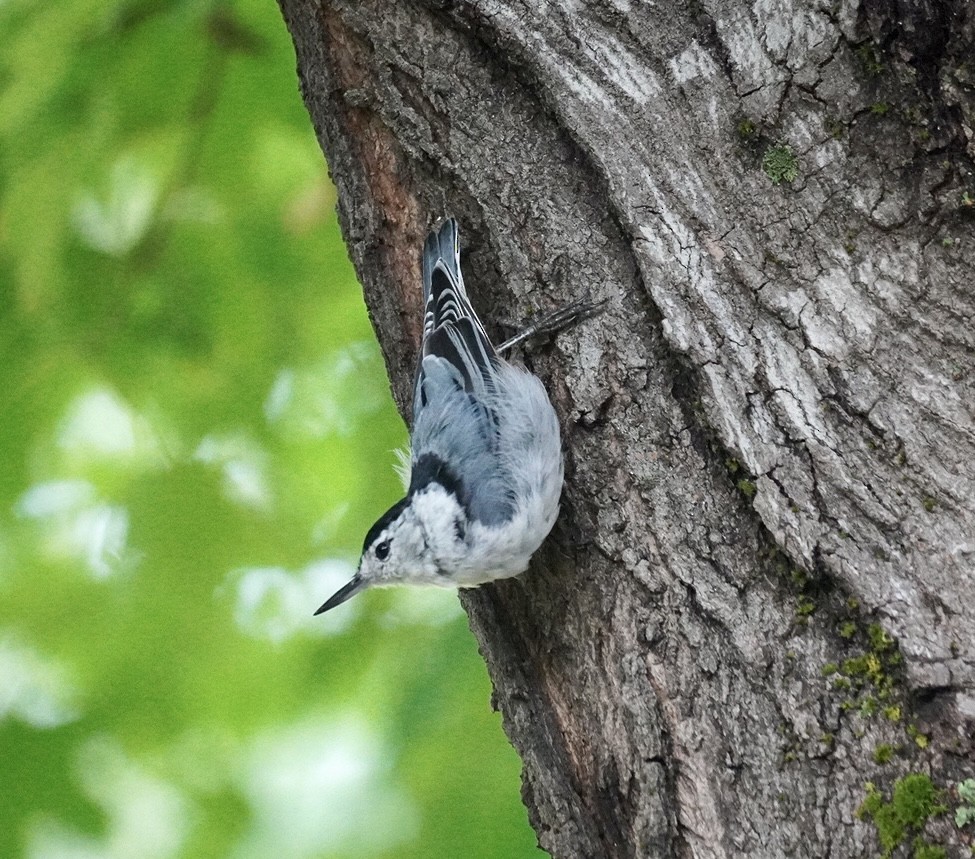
485,455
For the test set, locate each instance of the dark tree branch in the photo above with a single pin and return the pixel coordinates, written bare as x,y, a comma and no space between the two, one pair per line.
769,433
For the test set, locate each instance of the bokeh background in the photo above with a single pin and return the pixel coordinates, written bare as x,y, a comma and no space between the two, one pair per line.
196,432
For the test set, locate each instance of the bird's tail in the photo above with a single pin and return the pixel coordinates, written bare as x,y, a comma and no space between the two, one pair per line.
444,296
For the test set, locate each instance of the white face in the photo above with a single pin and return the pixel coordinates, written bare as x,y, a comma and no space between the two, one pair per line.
398,553
394,551
419,540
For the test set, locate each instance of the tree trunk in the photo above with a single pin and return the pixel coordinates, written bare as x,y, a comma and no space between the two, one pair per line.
758,599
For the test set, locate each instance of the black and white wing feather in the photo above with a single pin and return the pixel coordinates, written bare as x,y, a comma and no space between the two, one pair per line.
451,329
455,391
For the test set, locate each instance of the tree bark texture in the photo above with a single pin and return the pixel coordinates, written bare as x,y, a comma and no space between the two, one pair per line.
759,595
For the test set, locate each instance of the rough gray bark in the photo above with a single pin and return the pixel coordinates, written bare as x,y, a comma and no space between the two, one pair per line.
769,434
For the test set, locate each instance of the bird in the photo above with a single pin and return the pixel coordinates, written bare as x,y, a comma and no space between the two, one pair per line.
485,461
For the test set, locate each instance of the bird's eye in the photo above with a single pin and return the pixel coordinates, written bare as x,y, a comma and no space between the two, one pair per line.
382,550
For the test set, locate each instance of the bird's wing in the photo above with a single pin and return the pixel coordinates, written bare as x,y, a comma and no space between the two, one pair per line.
455,426
451,329
455,442
444,296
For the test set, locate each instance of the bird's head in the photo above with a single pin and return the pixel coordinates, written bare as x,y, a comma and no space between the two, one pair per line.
395,551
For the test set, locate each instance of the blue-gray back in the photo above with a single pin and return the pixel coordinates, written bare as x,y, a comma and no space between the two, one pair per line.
455,424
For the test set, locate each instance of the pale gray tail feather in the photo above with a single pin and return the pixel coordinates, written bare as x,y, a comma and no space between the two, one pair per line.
445,297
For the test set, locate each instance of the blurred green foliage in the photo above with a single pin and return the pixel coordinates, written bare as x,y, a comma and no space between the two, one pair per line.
196,433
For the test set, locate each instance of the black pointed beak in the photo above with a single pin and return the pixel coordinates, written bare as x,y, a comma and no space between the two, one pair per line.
344,593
